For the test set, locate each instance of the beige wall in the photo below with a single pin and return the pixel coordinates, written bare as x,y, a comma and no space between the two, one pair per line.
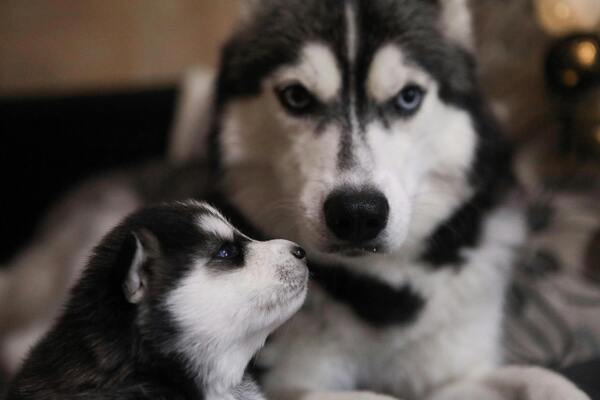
65,45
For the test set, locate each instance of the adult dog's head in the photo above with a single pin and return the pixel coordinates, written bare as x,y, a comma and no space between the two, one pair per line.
355,126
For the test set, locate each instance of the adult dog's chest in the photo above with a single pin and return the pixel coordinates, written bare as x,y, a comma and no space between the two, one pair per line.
396,325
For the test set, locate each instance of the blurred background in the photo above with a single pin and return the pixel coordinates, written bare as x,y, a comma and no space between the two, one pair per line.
88,86
61,46
91,85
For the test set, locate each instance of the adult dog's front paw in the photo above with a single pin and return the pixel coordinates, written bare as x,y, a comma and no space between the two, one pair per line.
344,396
510,383
533,383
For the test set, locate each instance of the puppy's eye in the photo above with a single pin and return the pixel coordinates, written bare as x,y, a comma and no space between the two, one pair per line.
409,99
296,98
228,251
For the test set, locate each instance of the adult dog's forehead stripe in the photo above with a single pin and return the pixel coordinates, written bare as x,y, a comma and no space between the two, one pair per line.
350,119
352,35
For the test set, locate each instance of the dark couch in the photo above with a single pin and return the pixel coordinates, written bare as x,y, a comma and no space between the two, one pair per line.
49,144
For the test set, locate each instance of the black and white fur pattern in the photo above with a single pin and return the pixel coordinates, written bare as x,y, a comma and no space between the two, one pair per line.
421,317
173,305
310,103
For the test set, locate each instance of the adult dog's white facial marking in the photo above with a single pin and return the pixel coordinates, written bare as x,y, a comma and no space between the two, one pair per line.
216,226
422,166
317,70
390,71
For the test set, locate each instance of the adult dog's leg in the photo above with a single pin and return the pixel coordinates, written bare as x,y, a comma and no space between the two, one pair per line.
299,395
507,383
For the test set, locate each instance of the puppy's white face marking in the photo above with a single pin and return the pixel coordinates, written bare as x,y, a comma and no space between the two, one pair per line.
224,314
316,69
245,300
419,162
216,226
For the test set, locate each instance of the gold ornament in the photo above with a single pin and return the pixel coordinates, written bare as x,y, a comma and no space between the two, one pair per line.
586,53
560,17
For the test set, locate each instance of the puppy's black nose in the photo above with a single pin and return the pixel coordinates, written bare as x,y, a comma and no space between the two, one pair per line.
299,253
356,216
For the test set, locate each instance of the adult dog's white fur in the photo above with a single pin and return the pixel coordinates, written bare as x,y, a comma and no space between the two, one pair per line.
279,168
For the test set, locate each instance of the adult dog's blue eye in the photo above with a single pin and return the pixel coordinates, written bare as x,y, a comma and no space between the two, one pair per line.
228,251
410,98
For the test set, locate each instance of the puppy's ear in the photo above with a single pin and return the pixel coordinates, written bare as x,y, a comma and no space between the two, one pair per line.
147,251
456,22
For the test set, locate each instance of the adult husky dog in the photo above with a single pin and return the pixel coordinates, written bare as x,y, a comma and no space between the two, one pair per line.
356,128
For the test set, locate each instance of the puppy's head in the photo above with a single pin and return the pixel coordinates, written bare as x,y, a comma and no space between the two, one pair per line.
193,272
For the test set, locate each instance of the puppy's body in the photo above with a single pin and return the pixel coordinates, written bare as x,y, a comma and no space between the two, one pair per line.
159,314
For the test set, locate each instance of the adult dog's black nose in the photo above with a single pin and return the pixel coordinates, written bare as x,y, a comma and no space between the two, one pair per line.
356,216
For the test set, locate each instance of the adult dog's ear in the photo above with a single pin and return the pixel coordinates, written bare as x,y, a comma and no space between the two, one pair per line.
249,7
147,251
456,22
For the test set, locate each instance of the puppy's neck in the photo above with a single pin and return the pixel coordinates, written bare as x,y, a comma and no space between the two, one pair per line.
219,365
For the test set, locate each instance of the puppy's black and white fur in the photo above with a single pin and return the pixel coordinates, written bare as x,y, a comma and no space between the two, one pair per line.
173,305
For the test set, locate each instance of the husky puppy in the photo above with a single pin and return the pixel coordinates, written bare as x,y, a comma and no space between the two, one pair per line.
356,127
172,305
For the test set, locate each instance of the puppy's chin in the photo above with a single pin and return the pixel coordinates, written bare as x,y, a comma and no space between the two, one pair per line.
294,304
295,300
286,302
294,293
